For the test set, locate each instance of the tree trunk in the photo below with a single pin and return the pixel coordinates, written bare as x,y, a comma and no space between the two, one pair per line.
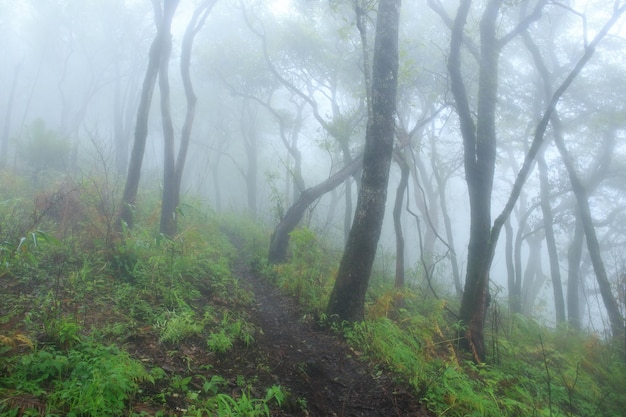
129,197
514,296
348,295
534,278
168,200
548,223
4,140
441,186
479,142
574,254
280,238
249,134
173,169
397,218
580,193
593,246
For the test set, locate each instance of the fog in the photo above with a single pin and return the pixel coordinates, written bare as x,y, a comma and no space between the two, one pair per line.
281,93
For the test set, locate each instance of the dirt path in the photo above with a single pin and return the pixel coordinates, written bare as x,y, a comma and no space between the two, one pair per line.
319,367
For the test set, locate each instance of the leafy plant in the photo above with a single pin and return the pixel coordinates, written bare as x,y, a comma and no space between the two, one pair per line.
178,326
231,330
88,379
308,274
245,405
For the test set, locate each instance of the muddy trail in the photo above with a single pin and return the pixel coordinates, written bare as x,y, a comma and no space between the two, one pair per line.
316,365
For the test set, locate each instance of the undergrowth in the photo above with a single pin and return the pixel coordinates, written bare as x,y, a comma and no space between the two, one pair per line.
309,272
101,298
99,294
536,372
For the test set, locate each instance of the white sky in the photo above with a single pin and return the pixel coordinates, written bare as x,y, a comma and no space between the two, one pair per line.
280,7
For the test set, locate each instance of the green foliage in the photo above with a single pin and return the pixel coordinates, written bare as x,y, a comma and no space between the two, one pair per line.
62,332
177,326
225,405
230,330
539,372
308,274
89,379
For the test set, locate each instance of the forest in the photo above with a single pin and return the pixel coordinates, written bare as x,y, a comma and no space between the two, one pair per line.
313,208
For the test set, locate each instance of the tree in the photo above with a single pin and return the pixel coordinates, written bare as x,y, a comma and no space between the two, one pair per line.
280,238
548,222
581,195
173,167
348,295
478,130
593,247
479,143
163,20
323,78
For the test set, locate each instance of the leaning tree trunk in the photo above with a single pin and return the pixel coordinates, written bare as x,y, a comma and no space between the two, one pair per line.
280,238
129,197
348,296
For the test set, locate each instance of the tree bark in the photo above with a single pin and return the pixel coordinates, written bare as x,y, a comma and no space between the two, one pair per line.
348,295
129,196
514,296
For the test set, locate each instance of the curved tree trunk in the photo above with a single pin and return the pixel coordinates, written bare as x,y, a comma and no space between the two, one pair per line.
441,186
397,218
348,295
280,238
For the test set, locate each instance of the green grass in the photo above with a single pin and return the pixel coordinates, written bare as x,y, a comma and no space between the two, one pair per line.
87,379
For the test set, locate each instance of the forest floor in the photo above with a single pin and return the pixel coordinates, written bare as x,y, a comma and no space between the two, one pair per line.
322,374
319,366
